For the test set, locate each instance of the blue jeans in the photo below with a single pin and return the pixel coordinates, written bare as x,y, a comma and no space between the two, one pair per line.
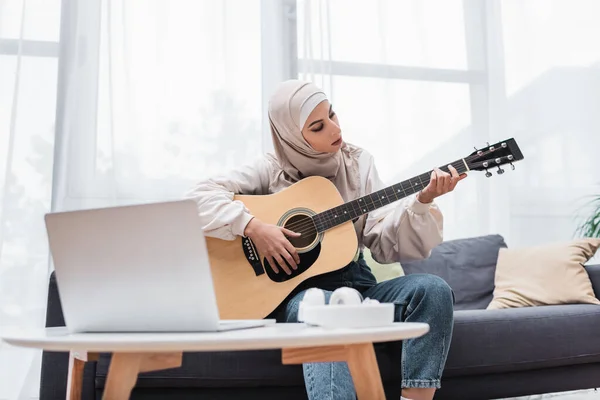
418,298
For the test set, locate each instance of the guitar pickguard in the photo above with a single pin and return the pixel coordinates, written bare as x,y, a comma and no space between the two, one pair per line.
307,259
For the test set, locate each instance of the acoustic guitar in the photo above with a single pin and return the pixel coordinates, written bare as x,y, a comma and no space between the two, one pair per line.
245,284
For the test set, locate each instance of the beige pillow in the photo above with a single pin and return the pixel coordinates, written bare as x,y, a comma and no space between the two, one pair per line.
544,275
382,272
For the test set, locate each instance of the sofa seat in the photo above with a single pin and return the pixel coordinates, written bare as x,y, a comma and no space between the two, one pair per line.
240,369
494,353
484,342
508,340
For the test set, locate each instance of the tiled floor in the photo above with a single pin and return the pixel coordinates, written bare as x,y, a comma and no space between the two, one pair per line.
576,395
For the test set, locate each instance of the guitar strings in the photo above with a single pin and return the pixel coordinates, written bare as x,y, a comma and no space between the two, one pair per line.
300,226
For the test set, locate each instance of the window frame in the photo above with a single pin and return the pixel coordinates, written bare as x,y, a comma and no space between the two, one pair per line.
483,37
277,26
29,48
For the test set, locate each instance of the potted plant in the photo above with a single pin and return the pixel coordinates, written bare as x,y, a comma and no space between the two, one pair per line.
590,227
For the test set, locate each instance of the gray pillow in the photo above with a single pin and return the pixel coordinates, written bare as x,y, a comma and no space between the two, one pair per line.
467,265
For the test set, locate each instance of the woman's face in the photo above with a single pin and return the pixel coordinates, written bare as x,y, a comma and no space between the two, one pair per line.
322,129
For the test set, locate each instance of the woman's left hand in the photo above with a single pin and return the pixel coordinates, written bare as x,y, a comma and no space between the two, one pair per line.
440,183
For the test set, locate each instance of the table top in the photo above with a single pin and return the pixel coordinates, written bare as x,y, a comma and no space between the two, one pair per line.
274,336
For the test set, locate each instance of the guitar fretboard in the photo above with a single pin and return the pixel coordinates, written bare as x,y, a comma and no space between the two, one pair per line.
363,205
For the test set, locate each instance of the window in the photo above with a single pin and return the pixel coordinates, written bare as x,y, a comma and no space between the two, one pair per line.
178,92
29,48
420,82
408,81
28,81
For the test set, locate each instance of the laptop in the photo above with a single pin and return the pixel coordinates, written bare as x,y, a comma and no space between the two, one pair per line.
135,268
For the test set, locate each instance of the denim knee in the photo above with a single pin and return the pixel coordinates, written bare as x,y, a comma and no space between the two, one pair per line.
434,291
432,285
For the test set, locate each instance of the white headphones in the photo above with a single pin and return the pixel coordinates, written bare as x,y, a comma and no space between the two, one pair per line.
346,309
343,295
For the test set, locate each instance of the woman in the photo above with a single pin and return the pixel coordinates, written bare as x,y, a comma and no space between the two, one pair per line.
308,141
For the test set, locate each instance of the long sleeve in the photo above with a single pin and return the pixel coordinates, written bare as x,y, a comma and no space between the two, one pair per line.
401,231
221,216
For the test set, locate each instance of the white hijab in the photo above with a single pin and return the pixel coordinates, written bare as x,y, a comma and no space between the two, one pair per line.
289,107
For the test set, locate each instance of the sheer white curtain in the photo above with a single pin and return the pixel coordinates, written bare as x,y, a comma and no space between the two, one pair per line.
400,78
552,64
420,82
29,34
157,95
147,98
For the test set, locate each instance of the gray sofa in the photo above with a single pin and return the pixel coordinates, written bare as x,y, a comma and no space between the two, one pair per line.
494,353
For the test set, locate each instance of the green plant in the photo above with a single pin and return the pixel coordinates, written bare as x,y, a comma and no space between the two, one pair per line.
590,227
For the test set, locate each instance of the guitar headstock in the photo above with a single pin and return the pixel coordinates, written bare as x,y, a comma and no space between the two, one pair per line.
495,155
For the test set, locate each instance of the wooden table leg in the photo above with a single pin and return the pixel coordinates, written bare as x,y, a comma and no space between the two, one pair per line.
122,375
77,362
365,371
124,368
361,361
75,378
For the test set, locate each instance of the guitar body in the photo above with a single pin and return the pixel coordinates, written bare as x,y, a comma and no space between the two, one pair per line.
245,285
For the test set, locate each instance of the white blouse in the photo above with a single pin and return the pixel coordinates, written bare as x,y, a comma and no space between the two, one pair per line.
401,231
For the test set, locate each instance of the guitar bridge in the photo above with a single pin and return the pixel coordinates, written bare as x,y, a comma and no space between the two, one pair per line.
252,256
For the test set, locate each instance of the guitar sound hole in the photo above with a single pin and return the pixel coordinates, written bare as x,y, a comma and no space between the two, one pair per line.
304,225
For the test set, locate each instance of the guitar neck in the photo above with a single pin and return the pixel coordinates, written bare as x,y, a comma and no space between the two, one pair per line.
353,209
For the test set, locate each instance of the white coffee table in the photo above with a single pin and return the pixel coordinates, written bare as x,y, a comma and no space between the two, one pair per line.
133,353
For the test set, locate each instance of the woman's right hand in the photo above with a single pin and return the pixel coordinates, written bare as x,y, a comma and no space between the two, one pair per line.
271,243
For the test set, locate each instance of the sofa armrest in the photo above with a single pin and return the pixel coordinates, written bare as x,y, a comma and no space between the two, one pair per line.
55,365
594,274
530,333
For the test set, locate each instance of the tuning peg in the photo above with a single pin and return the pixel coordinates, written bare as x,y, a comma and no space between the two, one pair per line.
488,173
500,170
512,166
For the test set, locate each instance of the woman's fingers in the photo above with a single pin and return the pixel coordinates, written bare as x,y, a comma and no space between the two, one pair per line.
288,257
272,263
282,264
439,181
290,233
432,182
292,251
443,182
455,177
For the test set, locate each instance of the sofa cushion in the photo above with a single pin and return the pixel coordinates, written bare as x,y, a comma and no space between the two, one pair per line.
546,274
497,341
483,342
467,265
240,369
